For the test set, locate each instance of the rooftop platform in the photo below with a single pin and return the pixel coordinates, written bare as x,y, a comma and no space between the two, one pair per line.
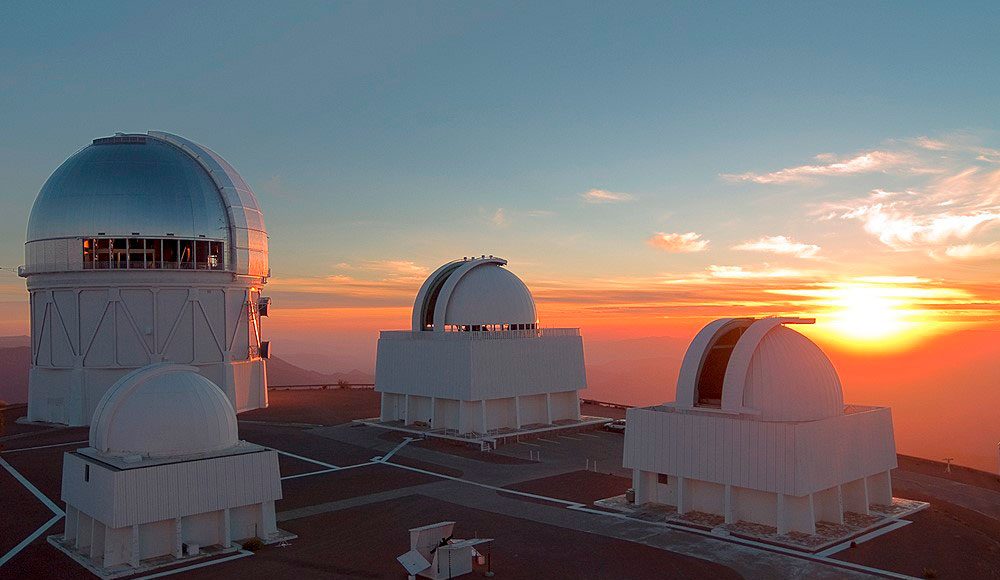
351,491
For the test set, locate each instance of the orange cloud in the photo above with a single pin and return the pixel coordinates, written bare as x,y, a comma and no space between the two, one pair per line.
779,245
678,243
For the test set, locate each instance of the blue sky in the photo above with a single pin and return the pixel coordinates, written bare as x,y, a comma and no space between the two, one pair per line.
385,138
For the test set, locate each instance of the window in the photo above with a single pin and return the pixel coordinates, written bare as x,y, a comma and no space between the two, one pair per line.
170,254
119,255
88,254
86,473
187,254
155,253
152,253
662,479
136,253
216,260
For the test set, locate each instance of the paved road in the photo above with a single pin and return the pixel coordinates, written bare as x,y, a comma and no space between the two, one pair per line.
979,499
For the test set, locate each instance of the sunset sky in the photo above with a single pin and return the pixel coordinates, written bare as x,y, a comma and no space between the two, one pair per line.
643,171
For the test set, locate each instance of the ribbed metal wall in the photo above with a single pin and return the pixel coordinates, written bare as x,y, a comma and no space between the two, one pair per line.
149,494
781,457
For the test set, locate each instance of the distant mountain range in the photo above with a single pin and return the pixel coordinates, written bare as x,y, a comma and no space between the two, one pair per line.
15,358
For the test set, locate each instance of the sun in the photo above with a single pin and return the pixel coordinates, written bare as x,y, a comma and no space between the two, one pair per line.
868,315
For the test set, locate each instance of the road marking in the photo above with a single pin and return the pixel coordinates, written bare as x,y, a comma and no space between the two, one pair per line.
572,438
863,538
589,435
14,551
42,498
44,446
531,444
402,444
547,440
34,490
316,461
322,471
236,556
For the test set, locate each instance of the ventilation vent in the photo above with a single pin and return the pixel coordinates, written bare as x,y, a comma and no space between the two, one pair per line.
136,139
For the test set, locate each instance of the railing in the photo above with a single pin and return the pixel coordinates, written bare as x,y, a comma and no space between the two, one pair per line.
477,334
323,386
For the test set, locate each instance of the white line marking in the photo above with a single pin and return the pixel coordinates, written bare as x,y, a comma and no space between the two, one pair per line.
14,551
863,538
531,444
568,437
44,446
589,435
34,490
322,471
236,556
317,462
402,444
547,440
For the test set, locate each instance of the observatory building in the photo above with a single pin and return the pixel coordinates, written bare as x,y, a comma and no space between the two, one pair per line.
475,361
143,248
165,475
760,433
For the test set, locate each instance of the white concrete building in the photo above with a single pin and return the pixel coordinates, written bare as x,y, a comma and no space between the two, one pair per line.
165,476
475,360
142,249
759,432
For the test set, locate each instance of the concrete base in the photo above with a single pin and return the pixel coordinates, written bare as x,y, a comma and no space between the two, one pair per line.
146,566
828,535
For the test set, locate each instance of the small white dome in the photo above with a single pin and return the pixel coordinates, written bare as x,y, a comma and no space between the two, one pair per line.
490,295
473,292
163,410
760,367
791,379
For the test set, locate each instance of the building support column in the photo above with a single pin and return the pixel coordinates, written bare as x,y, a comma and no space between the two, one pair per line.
70,529
683,496
406,410
782,515
178,539
644,484
728,507
517,411
482,415
461,417
227,530
433,415
855,495
548,408
135,552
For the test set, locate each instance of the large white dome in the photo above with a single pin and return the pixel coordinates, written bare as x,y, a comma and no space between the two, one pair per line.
163,410
759,367
146,186
473,293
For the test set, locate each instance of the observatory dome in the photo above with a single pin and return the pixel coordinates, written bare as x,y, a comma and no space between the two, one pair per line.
163,410
474,293
759,367
146,188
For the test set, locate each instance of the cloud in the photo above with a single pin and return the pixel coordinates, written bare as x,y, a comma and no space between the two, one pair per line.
867,162
678,243
739,272
974,251
780,245
499,218
952,208
604,196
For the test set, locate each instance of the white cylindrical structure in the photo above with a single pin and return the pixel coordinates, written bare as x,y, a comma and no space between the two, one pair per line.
143,248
